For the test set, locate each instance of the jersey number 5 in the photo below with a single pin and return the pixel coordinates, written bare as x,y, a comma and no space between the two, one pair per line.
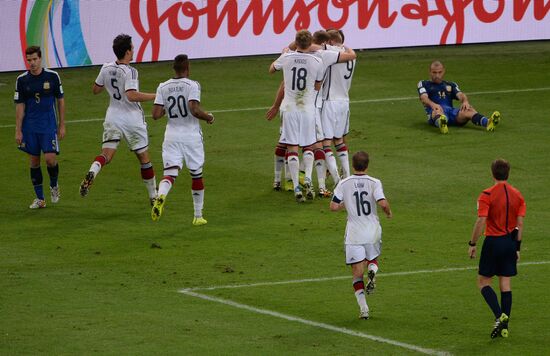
362,204
116,95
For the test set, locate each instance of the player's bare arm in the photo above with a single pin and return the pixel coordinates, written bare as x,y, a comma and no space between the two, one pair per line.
334,206
61,123
19,114
96,89
520,232
272,112
272,68
385,205
427,102
194,107
348,55
476,233
464,103
318,85
137,96
158,111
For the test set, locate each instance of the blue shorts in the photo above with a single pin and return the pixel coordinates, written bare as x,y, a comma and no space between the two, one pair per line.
498,256
33,143
450,112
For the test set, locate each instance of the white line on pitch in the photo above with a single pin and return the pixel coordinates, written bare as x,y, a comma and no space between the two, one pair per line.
380,100
324,279
315,324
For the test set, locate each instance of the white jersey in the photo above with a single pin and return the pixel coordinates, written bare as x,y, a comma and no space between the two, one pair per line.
118,79
360,194
338,79
329,57
300,71
174,94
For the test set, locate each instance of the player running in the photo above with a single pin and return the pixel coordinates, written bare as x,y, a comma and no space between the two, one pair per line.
124,118
180,98
359,194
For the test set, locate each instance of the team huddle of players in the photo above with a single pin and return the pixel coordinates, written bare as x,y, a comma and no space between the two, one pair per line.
314,104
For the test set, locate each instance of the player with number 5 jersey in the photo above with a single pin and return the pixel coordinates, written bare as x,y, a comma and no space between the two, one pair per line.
124,118
360,194
179,99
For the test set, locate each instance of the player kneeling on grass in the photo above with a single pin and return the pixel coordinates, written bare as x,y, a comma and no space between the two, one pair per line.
179,98
359,194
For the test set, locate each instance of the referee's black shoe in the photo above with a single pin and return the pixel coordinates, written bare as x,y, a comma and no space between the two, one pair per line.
501,327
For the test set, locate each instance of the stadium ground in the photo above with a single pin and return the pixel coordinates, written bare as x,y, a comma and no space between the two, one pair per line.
96,275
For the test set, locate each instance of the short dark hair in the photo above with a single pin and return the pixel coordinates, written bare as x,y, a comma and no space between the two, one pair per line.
303,39
360,161
500,169
320,37
121,44
33,49
181,63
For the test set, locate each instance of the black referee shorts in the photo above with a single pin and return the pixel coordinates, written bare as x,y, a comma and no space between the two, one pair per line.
498,256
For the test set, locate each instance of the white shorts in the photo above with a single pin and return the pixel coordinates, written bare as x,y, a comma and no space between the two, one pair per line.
358,253
134,132
177,153
318,125
335,119
298,128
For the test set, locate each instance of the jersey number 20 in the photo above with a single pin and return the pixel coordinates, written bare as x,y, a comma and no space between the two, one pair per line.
178,102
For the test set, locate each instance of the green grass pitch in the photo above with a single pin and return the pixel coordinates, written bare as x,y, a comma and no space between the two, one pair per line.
81,277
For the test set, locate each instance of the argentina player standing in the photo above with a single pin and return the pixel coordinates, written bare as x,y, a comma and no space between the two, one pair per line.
37,91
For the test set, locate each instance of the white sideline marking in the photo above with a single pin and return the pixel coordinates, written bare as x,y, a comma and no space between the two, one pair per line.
315,324
324,279
381,100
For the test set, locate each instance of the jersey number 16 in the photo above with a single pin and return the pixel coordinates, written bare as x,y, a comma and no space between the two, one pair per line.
362,204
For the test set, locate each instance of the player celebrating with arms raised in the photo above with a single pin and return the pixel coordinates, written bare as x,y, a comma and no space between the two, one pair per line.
359,194
180,98
124,118
36,127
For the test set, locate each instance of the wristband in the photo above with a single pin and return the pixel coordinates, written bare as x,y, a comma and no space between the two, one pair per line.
518,245
472,244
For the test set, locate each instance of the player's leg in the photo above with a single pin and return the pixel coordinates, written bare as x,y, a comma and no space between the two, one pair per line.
290,135
438,119
343,156
53,172
36,180
147,173
170,175
111,139
308,159
194,160
330,161
372,269
355,257
321,170
279,163
50,147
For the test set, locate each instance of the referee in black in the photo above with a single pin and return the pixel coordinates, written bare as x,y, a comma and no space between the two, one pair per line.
500,211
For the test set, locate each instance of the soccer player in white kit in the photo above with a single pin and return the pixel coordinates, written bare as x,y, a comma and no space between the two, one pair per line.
179,99
124,118
303,73
360,194
335,114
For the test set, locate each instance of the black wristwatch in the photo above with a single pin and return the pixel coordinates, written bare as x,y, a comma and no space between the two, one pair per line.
470,243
